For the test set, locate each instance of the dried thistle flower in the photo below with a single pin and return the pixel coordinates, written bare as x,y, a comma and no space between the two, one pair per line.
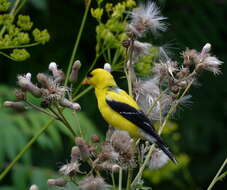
158,159
146,18
84,149
92,183
59,182
140,49
70,169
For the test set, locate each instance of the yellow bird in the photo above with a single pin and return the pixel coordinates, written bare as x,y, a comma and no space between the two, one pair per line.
121,111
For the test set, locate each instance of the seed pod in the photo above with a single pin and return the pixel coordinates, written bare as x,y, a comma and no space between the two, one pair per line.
95,138
27,85
34,187
107,67
60,182
75,153
43,80
74,73
20,95
15,105
72,105
84,152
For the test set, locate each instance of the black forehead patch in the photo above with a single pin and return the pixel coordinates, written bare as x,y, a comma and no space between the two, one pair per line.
89,75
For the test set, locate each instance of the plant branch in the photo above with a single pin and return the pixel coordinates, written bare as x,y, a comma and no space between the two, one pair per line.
77,42
217,175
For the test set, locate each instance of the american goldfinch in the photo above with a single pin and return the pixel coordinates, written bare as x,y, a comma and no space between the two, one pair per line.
121,111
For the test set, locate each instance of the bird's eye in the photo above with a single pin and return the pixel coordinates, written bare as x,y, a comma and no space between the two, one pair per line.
89,75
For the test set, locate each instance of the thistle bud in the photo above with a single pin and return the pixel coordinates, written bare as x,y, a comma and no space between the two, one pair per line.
60,182
34,187
25,83
72,105
91,182
15,105
59,75
75,153
43,80
20,95
74,73
95,138
84,152
126,43
206,49
107,67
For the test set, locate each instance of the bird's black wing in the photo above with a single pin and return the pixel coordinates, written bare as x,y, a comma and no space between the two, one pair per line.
132,114
139,119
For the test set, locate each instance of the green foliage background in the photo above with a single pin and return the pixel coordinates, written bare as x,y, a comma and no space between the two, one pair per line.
202,124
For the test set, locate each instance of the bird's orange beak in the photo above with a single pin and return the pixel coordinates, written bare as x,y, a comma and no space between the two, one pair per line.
86,81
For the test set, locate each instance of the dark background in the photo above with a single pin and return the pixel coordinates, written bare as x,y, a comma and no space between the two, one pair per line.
192,23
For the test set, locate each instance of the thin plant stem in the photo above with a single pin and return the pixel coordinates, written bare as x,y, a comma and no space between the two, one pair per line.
129,180
130,72
20,6
64,120
77,42
217,175
120,179
155,102
113,180
25,149
4,54
21,46
82,93
40,109
139,174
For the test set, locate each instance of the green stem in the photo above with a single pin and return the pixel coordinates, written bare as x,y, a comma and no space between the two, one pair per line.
4,54
77,42
20,6
40,109
113,180
21,46
130,172
139,174
25,149
64,120
120,179
82,93
217,174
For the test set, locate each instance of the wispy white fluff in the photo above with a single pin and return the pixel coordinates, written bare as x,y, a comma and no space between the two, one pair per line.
146,18
158,159
212,64
140,49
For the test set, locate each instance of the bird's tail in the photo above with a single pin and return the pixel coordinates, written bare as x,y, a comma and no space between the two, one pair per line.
165,149
159,142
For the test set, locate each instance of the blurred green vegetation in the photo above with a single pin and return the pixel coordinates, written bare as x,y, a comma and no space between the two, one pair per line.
202,124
